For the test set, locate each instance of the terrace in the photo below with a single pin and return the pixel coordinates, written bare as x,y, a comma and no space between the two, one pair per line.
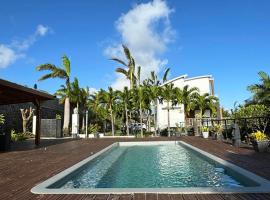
26,162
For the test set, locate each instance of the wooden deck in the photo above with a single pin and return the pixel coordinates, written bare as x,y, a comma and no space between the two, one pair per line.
26,166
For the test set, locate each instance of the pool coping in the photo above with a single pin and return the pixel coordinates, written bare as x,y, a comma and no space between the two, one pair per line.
42,188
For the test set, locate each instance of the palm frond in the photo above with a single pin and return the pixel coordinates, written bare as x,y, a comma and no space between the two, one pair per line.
165,75
66,64
46,67
119,61
122,71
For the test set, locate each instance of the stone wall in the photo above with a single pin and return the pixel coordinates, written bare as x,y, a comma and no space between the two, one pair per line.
13,119
51,128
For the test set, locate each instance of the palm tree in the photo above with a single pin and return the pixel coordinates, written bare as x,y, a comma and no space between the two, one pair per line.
85,95
129,67
186,96
154,91
125,97
62,72
109,99
205,102
261,91
75,93
168,94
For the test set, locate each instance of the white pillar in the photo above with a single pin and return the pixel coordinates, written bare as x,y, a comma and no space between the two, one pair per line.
86,124
75,123
34,125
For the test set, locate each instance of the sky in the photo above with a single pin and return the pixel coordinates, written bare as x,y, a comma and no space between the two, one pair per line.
228,39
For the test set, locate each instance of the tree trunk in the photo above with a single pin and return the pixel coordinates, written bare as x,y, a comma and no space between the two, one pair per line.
169,128
83,123
127,124
25,125
155,120
66,116
112,122
141,120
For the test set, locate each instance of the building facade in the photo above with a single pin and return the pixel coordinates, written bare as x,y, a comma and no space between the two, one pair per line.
205,84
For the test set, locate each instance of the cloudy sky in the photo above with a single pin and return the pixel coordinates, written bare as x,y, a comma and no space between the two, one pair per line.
228,39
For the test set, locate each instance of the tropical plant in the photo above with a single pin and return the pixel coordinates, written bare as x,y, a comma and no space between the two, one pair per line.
125,97
187,96
18,136
261,91
205,129
62,72
108,99
259,136
2,119
129,67
75,93
205,102
169,95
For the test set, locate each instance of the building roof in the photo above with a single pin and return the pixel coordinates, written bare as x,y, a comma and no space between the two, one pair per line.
12,93
187,79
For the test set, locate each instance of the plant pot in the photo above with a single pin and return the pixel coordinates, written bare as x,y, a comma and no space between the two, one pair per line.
205,134
260,146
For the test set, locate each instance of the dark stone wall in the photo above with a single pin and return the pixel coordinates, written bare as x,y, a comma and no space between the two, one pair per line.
13,119
51,128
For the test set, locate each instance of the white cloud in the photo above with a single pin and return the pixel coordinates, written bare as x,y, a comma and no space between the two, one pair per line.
7,56
12,52
42,30
146,30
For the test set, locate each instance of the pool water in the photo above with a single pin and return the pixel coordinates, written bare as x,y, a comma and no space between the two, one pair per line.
150,166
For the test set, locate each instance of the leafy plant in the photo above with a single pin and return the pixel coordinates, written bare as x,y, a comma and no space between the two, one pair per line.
93,128
205,129
218,128
58,116
2,119
259,136
18,136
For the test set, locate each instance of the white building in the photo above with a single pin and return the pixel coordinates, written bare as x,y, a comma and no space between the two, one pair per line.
204,83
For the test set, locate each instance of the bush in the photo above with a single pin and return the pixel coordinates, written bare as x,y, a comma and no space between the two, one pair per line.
93,128
18,136
2,119
258,136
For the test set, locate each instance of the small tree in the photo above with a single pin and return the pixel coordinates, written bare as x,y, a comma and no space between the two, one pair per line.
26,116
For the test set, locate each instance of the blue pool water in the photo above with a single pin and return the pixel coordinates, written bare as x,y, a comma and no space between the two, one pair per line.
150,166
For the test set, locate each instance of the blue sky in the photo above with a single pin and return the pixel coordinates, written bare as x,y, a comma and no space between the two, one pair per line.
228,39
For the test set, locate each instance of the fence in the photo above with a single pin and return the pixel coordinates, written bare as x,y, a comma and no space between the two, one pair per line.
246,125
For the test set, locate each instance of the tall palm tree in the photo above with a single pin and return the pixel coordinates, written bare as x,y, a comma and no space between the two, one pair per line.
187,96
62,72
125,97
108,98
75,93
85,95
129,67
154,91
205,102
168,94
261,91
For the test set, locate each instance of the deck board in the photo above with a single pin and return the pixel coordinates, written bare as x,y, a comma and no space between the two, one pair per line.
25,166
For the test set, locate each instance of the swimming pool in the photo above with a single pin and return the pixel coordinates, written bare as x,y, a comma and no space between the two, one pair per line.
168,167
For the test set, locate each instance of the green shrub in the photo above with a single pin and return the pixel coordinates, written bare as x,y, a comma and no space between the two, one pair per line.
93,128
2,119
205,129
18,136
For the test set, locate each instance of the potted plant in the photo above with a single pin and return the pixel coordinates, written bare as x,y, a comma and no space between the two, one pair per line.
205,132
218,130
260,141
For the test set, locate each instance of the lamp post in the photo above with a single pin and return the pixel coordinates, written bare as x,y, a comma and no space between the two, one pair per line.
86,123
